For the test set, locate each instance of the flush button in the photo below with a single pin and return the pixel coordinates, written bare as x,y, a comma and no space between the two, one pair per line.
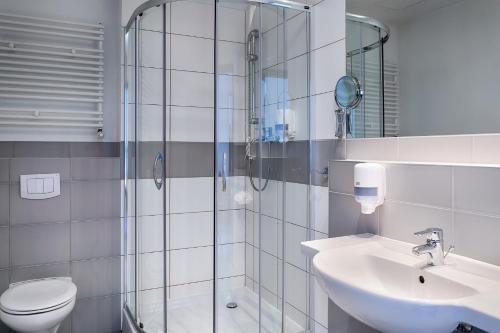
41,186
48,185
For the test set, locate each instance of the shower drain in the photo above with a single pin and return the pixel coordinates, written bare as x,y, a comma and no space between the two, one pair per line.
232,305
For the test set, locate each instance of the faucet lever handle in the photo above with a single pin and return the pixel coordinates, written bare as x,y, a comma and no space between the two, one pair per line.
435,234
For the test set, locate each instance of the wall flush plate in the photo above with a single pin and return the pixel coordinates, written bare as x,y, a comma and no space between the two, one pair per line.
40,186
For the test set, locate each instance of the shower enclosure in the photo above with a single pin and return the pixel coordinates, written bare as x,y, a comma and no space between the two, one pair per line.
216,167
365,39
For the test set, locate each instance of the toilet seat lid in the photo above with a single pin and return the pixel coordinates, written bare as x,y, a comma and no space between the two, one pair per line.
36,295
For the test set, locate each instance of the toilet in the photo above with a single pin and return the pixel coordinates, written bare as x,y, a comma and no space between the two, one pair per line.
37,306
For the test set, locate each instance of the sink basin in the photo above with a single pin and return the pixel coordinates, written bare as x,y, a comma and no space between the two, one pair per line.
382,284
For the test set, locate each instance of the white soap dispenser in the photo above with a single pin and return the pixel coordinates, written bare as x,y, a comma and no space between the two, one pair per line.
369,186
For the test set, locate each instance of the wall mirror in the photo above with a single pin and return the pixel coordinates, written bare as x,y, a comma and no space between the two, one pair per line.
427,67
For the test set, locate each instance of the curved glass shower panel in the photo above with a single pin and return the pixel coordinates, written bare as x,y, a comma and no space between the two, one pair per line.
262,168
364,60
147,186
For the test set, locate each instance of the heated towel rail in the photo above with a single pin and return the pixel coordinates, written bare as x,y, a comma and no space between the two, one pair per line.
51,73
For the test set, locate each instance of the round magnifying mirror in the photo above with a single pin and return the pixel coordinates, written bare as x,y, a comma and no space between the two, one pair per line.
348,92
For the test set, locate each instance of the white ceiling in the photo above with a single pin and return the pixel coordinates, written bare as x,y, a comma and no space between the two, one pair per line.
396,11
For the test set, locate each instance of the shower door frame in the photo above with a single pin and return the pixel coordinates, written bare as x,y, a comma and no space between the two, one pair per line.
135,21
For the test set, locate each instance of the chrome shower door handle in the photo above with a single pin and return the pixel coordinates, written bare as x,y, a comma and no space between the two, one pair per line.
224,174
158,171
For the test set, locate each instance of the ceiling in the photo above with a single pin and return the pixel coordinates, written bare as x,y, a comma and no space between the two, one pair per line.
396,11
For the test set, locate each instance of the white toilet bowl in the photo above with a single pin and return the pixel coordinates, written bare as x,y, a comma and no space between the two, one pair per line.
37,306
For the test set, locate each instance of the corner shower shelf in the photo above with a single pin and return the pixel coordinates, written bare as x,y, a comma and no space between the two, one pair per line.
51,73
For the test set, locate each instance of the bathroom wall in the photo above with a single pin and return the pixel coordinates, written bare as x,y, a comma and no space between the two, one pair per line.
76,234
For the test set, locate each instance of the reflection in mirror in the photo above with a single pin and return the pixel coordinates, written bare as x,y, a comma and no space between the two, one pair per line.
435,73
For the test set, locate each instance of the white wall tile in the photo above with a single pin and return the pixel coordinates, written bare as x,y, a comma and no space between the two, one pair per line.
191,124
410,182
319,208
231,24
372,149
190,18
182,227
151,270
436,149
231,91
476,189
231,125
296,36
485,148
297,118
322,118
186,53
192,89
469,229
272,47
151,86
269,235
191,289
319,311
150,123
249,227
234,197
297,69
151,233
327,23
296,287
269,199
231,260
324,70
191,195
296,203
191,265
231,226
400,220
231,58
149,199
269,266
151,49
293,254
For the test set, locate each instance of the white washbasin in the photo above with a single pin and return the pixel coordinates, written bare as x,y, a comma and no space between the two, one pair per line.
381,283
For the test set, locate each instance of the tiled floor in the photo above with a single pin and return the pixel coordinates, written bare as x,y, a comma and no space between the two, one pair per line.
194,315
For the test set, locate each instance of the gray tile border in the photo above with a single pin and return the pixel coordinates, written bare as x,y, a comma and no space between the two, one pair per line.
4,169
41,149
6,149
95,168
190,159
94,149
28,166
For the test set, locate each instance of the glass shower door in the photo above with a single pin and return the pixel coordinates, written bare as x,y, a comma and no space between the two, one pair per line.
147,185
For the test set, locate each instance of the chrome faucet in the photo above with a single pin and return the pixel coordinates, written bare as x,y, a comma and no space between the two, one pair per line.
433,246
